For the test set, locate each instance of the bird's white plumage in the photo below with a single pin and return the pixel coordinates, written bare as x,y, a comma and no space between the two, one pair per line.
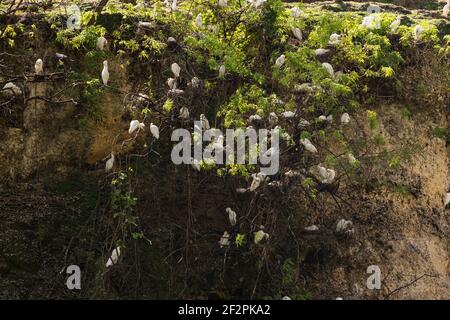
172,83
222,71
396,23
296,12
345,118
335,39
280,60
39,66
184,113
224,240
175,69
154,130
288,114
199,20
135,125
273,119
101,43
308,145
114,257
110,163
204,121
298,34
418,29
223,3
232,216
446,9
447,199
10,89
321,51
329,68
105,73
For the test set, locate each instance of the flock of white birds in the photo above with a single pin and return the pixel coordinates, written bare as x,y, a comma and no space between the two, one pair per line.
327,175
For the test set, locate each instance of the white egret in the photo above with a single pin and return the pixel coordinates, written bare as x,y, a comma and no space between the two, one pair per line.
345,118
195,82
241,190
258,178
257,3
172,83
312,228
144,24
447,199
255,118
184,113
39,66
205,122
308,145
322,118
114,257
174,5
231,216
222,71
327,175
171,40
224,240
335,39
60,56
260,235
417,32
175,69
11,89
154,130
105,73
135,125
303,123
296,12
329,68
321,52
298,34
223,3
273,119
110,163
199,21
286,298
351,158
101,43
339,298
280,60
396,23
446,9
288,114
344,226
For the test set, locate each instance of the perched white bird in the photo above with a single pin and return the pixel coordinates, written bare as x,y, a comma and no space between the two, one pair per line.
199,20
322,118
280,60
335,39
258,178
351,158
308,145
172,83
224,240
286,298
446,9
114,257
447,199
205,122
296,12
171,40
288,114
329,68
241,190
60,56
174,5
222,71
371,22
257,3
312,228
254,118
175,69
260,235
135,125
327,175
105,73
154,130
184,113
144,24
298,34
195,82
321,52
273,119
10,89
231,216
110,163
223,3
417,32
344,226
39,66
396,23
101,43
345,118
